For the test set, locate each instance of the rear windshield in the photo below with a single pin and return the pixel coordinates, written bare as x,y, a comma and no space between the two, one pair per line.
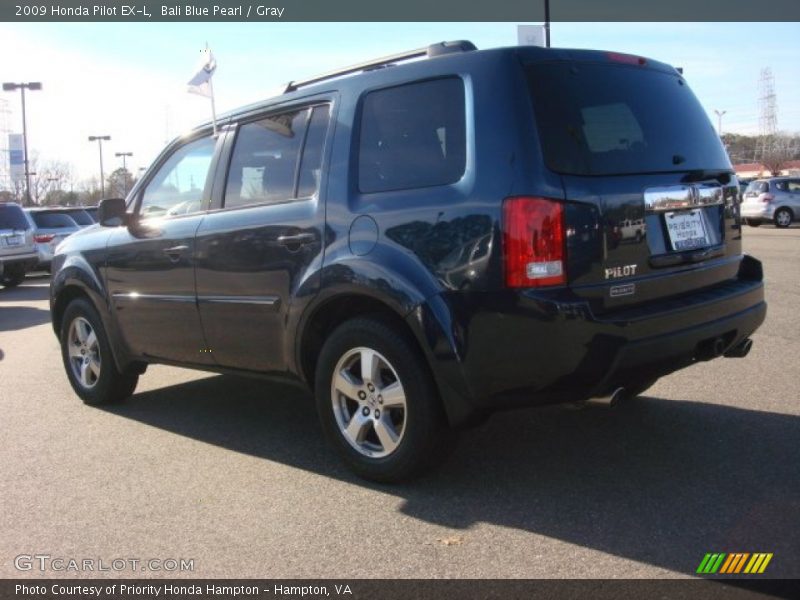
757,187
12,217
606,119
81,217
53,220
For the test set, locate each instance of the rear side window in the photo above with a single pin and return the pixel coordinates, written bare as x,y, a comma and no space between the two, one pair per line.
54,220
607,119
794,186
81,217
12,217
412,136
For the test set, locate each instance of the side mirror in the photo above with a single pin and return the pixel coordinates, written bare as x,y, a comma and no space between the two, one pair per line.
111,212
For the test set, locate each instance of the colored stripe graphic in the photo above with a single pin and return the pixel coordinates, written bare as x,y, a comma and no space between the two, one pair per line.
734,563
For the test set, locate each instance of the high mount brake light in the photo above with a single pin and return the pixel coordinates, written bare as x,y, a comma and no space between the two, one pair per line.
628,59
533,242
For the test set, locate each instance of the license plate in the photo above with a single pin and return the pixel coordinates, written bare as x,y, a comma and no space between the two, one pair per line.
14,240
686,229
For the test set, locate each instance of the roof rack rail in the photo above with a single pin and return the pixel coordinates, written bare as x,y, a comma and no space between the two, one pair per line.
431,51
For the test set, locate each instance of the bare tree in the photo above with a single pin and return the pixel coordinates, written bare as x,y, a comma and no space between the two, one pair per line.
47,177
777,152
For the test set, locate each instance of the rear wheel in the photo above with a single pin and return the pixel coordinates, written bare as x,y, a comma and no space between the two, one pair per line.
752,222
783,217
86,353
12,276
378,404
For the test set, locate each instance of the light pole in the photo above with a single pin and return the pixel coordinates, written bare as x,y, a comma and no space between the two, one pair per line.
124,156
33,86
546,23
99,139
719,120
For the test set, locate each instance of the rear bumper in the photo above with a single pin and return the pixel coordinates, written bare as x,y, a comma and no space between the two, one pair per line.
756,211
518,349
27,260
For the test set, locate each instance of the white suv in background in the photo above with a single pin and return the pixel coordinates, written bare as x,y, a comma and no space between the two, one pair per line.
17,249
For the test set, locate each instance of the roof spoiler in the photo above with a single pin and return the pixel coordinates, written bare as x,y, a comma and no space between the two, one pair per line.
432,51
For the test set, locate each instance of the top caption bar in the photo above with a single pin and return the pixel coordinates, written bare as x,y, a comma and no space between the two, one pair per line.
407,10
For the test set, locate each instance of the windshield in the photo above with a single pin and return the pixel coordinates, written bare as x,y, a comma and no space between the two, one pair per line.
607,119
12,217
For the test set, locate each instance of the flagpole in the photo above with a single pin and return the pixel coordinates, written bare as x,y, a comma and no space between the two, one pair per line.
213,106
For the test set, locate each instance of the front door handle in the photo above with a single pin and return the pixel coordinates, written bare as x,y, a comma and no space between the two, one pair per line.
296,240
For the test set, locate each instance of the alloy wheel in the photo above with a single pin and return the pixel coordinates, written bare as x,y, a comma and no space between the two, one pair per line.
84,353
369,402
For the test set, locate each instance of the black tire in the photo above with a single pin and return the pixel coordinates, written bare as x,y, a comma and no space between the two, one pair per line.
425,439
783,217
752,222
109,386
12,276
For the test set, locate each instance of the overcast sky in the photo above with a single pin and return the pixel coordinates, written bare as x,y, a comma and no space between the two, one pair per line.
128,80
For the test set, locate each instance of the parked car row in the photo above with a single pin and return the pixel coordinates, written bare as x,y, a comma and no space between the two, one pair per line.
28,237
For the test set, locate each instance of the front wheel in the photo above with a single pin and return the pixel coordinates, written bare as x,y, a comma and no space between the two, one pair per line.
378,404
86,353
783,217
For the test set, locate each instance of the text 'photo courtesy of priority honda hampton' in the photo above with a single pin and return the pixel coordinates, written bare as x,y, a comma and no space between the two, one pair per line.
422,240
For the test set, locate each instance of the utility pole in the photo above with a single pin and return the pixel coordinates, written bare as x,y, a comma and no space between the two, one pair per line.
33,86
124,156
99,139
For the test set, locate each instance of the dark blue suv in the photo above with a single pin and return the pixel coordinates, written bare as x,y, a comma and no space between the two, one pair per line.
422,240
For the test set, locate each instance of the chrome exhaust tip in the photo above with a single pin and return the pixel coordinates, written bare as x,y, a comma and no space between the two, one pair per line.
740,350
609,400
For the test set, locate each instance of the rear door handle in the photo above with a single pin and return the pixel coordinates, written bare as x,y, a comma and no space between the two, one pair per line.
296,240
175,252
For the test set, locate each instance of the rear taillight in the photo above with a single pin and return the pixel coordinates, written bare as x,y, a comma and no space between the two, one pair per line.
628,59
766,198
533,242
43,238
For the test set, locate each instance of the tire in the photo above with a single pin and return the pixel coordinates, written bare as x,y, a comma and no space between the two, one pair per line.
782,217
378,442
752,222
12,276
87,357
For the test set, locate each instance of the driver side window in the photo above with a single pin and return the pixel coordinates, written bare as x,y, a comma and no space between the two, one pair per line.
179,186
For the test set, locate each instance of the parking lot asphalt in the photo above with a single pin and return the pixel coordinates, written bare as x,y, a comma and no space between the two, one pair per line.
234,473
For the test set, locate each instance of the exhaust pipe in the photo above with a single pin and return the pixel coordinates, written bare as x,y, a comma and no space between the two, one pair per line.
610,400
740,350
710,349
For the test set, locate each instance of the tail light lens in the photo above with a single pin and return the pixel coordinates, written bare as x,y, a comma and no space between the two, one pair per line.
43,238
533,242
767,198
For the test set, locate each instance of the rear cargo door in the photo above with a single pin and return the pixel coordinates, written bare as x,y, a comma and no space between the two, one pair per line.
651,194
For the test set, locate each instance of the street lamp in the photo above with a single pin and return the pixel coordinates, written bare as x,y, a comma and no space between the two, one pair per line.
99,139
719,120
124,156
33,86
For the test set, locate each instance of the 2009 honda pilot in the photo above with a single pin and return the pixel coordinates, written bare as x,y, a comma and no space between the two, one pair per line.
423,242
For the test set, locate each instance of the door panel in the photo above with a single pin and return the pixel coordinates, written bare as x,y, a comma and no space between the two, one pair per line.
150,265
255,259
150,276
